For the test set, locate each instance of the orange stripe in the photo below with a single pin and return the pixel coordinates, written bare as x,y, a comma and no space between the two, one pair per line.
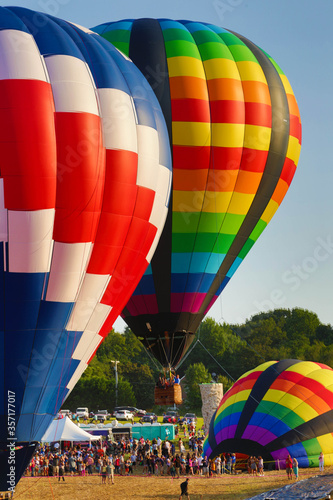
225,89
222,180
303,393
280,191
187,180
189,87
293,108
256,92
248,182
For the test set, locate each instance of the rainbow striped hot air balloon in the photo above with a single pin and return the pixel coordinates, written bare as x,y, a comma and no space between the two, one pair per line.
235,131
279,408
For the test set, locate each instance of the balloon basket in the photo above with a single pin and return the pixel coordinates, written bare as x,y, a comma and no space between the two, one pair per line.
168,396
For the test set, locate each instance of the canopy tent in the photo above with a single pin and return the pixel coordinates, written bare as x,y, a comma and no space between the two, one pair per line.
65,430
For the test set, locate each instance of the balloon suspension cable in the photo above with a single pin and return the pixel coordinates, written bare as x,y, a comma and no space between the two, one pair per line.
158,366
189,352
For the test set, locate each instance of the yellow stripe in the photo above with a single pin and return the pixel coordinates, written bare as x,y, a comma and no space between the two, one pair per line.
221,68
228,135
269,211
326,444
286,84
295,404
239,396
257,137
191,134
294,149
240,203
199,200
249,70
305,367
185,66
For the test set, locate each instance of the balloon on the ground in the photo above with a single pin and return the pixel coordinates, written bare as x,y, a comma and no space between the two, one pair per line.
279,408
84,188
235,131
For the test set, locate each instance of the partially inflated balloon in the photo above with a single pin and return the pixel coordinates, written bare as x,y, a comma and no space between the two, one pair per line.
85,182
279,408
235,131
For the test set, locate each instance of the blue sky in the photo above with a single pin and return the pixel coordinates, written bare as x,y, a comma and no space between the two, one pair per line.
291,265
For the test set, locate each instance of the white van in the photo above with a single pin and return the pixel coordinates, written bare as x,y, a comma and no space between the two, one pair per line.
82,412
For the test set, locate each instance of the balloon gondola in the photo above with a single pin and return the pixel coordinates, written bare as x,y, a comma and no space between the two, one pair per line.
235,132
84,189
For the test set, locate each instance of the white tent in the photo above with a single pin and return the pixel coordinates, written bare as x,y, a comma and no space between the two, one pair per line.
65,430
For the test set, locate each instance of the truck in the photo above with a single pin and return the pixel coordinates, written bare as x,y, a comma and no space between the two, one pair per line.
82,412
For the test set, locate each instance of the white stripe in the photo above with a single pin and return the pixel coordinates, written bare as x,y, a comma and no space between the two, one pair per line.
119,120
72,86
69,263
91,293
95,323
30,240
3,215
148,160
20,57
76,376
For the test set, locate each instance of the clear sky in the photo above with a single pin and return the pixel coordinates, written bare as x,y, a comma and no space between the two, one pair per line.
291,265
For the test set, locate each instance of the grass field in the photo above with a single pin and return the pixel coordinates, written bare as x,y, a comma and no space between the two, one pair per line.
139,487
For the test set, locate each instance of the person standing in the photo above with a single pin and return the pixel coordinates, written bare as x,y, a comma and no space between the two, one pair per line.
289,467
184,489
295,468
321,462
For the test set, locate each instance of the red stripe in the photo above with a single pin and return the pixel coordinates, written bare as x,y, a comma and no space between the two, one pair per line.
144,203
27,144
191,157
227,111
80,177
288,171
295,127
190,110
258,114
253,160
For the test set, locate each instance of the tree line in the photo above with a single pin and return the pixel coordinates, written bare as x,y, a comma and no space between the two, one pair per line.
220,352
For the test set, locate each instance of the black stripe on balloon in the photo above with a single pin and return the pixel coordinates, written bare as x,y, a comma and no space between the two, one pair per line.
274,164
259,390
147,51
318,426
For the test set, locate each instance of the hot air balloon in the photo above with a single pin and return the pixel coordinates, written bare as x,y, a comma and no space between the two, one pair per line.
235,132
279,408
84,189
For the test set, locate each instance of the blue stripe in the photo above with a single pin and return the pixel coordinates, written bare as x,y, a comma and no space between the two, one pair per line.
222,286
9,21
146,286
216,29
49,37
167,24
191,283
234,267
193,27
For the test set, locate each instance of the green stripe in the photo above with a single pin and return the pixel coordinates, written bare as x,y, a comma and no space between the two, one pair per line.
233,408
123,46
202,242
242,53
178,48
205,36
288,417
246,248
172,34
258,229
213,50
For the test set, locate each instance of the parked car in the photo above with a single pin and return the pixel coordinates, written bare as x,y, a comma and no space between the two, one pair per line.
123,415
170,417
132,409
101,415
82,412
149,417
190,417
